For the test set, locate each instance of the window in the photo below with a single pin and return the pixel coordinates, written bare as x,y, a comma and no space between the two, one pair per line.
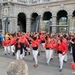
34,1
22,1
46,0
63,21
72,25
53,0
5,0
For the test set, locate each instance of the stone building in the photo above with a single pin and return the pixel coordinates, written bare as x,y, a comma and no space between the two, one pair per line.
56,15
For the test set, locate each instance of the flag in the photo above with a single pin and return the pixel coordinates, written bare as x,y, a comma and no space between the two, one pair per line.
37,23
6,25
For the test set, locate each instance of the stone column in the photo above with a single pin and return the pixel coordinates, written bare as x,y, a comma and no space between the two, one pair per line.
69,22
54,23
41,23
28,1
41,1
28,24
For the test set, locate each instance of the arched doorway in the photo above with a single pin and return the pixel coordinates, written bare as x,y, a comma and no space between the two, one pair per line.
62,21
22,22
47,21
72,23
73,14
33,20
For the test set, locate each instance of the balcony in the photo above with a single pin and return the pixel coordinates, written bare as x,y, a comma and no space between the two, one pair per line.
16,1
51,0
23,1
43,1
32,2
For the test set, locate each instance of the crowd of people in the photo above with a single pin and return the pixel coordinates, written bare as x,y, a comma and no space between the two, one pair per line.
21,44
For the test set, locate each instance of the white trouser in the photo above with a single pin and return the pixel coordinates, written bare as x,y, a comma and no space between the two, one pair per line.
18,55
28,48
6,48
71,50
35,54
42,46
12,48
61,58
65,57
49,55
52,53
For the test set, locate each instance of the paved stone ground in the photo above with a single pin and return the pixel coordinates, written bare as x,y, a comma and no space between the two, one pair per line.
42,69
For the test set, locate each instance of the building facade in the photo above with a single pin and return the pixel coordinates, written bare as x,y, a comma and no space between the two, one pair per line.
20,15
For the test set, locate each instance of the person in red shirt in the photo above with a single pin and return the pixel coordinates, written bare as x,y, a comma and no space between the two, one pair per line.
35,48
19,49
6,45
42,38
73,46
52,42
61,50
49,49
25,43
12,43
39,41
65,42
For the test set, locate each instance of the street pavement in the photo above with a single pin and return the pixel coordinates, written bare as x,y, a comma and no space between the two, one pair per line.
42,68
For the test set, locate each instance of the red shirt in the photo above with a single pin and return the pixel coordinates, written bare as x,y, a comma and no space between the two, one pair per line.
35,44
24,40
19,46
27,36
6,43
65,42
49,45
39,41
42,38
61,47
12,41
52,41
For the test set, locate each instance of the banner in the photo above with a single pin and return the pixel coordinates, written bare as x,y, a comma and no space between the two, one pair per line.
37,23
6,25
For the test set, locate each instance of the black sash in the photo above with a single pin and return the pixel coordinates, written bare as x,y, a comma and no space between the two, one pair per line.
35,48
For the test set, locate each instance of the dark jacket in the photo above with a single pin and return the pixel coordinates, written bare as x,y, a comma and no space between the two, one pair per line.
21,48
